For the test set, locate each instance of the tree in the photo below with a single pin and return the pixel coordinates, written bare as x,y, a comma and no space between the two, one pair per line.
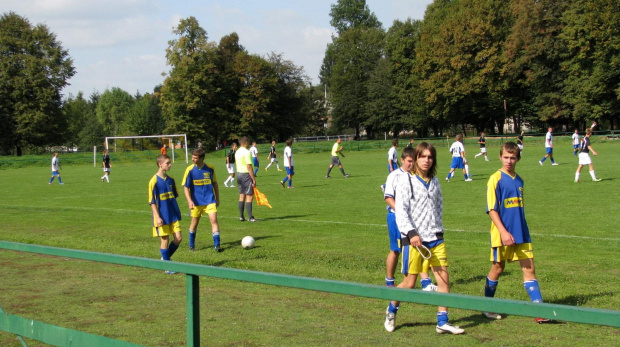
113,111
34,69
350,14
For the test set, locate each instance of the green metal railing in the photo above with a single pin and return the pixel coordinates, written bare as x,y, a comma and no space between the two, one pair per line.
60,336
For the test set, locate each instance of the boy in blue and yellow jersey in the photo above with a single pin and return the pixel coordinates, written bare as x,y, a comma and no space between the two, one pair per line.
203,196
163,195
510,235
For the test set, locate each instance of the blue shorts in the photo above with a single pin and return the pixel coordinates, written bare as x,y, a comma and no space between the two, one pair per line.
575,146
289,170
394,167
255,161
550,150
55,173
393,232
457,163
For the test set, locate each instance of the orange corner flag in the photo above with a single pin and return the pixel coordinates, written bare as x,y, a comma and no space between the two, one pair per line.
261,199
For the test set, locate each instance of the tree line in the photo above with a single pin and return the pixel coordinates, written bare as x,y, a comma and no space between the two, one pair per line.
467,66
475,65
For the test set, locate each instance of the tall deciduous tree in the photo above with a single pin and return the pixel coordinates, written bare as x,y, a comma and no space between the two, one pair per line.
113,111
34,69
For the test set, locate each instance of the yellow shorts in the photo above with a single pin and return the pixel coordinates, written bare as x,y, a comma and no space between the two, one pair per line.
167,229
414,263
199,211
512,252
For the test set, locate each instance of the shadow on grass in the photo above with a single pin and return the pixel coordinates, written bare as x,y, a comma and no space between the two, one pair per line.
579,299
283,217
476,279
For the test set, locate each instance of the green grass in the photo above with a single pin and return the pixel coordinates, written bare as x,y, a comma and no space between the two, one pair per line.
333,229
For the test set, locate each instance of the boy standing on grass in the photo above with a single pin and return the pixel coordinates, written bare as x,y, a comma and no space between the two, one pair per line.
55,169
510,235
483,147
584,157
203,197
273,156
393,179
254,153
419,211
230,166
393,157
458,159
163,195
548,148
288,165
576,142
106,166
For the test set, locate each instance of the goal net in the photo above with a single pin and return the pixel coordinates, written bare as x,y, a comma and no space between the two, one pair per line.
147,145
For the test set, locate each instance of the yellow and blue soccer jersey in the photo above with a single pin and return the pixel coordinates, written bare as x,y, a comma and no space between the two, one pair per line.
505,196
200,183
163,193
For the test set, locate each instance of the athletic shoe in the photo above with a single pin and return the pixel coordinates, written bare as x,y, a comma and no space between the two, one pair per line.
225,185
282,183
191,249
486,159
49,183
578,181
290,187
265,170
468,180
101,179
252,219
555,164
241,219
168,272
232,186
447,179
596,180
430,288
540,162
217,248
347,175
390,321
279,169
328,176
491,315
61,183
449,328
543,320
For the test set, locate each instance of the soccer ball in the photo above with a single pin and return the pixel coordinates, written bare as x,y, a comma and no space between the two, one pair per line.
247,242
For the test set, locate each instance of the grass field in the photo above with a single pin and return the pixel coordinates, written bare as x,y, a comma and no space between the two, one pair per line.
332,229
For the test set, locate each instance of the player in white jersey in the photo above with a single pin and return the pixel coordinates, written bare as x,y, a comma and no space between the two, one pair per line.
458,159
548,148
393,156
55,169
288,165
254,153
576,142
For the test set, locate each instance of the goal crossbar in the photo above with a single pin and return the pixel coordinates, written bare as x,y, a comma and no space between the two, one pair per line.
184,136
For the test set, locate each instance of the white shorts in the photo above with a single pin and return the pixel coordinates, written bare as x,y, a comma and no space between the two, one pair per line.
106,169
274,160
231,168
520,146
483,149
584,159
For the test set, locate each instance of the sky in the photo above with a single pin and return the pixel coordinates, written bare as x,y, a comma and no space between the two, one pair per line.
122,43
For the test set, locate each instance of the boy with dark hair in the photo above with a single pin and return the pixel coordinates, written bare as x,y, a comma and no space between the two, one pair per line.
510,235
584,157
203,196
163,195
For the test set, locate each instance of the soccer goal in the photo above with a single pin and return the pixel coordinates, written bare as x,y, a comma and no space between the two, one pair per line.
138,143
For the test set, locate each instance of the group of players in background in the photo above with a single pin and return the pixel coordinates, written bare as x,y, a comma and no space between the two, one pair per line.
415,211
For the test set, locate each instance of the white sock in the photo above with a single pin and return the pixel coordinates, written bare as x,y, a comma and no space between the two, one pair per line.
593,174
107,178
577,174
467,170
477,155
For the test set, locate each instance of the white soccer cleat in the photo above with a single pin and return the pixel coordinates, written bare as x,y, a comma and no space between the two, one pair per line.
491,315
596,180
449,329
390,321
540,162
430,288
555,164
468,180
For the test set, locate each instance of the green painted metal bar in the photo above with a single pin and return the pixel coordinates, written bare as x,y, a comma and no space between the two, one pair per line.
193,310
469,302
54,335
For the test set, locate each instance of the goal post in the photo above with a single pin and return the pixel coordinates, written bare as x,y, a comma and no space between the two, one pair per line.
167,136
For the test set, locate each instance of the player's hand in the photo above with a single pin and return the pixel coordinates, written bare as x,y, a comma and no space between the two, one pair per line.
159,222
253,183
416,241
507,239
190,205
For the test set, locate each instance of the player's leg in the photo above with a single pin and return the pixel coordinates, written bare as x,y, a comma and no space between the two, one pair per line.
174,245
578,173
329,170
390,313
425,280
241,205
193,227
215,231
443,286
342,171
163,247
248,205
592,174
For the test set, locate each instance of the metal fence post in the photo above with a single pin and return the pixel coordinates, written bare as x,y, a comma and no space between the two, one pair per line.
193,310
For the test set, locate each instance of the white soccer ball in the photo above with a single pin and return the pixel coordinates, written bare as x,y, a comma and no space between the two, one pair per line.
247,242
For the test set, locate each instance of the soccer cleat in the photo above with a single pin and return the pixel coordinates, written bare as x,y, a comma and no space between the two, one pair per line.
540,162
430,288
468,180
347,175
328,176
241,219
232,186
543,320
491,315
390,321
225,185
252,219
577,181
168,272
279,169
191,248
486,159
447,179
596,180
290,187
101,179
282,183
555,164
217,248
265,169
61,183
449,328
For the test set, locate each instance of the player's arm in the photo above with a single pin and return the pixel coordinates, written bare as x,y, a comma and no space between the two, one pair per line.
339,151
592,150
507,238
403,218
389,200
156,217
216,192
188,197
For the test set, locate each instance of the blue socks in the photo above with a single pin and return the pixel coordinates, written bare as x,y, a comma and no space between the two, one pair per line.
533,290
442,318
489,288
425,282
165,254
192,239
172,247
392,309
389,282
216,239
